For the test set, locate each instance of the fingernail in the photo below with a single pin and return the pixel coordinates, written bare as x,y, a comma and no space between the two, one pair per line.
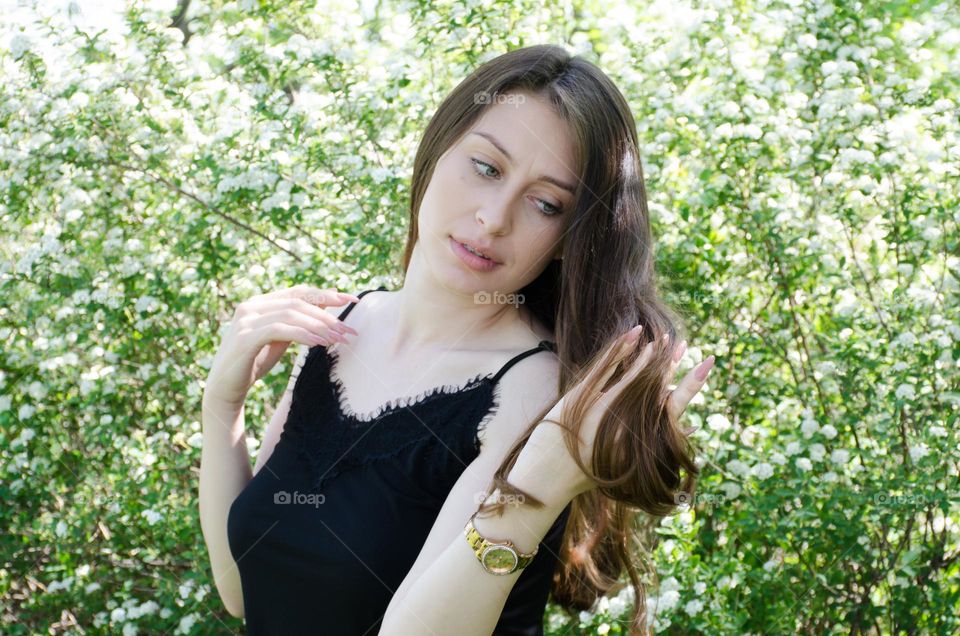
704,368
680,351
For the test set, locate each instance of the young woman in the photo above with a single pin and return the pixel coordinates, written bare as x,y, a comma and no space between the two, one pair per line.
522,369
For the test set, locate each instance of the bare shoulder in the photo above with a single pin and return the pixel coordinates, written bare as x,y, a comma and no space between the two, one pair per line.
303,350
526,389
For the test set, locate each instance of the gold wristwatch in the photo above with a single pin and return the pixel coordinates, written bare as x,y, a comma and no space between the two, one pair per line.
497,557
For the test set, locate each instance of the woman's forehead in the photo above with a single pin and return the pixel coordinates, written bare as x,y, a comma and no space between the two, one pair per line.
528,131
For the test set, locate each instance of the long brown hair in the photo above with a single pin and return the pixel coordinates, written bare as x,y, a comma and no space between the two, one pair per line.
604,285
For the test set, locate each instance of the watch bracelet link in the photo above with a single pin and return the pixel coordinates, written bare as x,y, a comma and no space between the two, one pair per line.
480,544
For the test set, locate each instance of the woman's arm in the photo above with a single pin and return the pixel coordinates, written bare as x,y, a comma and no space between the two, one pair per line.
456,594
224,472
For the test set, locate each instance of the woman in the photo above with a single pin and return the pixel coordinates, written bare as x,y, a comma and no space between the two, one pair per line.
529,334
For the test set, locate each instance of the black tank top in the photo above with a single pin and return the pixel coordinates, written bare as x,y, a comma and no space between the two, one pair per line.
326,531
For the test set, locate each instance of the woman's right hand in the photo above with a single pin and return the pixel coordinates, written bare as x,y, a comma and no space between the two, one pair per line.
262,329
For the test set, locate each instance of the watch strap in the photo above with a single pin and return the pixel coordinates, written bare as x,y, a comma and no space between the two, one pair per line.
479,544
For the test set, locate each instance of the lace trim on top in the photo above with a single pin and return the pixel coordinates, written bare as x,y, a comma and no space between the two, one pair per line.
331,437
354,419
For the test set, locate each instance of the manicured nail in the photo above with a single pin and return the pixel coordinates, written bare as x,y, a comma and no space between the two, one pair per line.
680,351
704,368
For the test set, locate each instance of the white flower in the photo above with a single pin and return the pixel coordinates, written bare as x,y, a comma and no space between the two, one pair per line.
61,529
817,452
25,436
693,607
669,583
19,45
717,422
129,629
938,431
809,427
905,391
118,615
617,606
380,175
730,489
729,109
919,451
840,456
147,607
829,476
186,623
196,440
603,628
753,131
931,233
804,464
762,470
778,458
737,467
151,516
668,601
906,339
700,587
793,448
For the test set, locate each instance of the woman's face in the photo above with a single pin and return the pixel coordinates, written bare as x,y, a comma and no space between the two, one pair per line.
506,188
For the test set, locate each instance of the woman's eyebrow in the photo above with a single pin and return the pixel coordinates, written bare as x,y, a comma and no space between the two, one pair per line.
544,177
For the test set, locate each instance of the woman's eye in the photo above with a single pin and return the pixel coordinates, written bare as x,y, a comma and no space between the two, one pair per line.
550,208
480,164
480,167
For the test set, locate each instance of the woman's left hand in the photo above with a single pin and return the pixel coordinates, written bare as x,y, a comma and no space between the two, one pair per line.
546,441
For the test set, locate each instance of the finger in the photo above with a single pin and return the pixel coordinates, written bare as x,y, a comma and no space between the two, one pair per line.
327,297
675,363
618,349
298,304
294,318
636,367
688,387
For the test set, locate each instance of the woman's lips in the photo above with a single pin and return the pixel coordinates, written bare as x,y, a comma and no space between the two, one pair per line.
477,263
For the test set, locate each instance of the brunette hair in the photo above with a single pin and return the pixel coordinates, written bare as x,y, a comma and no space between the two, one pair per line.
604,285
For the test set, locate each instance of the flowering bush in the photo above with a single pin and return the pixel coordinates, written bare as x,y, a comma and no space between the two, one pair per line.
801,159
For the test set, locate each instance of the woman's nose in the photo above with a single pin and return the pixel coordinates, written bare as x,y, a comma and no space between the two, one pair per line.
495,218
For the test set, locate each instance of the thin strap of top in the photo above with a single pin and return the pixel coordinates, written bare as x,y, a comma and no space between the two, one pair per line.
343,314
544,345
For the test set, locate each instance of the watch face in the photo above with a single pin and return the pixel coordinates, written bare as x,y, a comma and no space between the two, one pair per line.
499,559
